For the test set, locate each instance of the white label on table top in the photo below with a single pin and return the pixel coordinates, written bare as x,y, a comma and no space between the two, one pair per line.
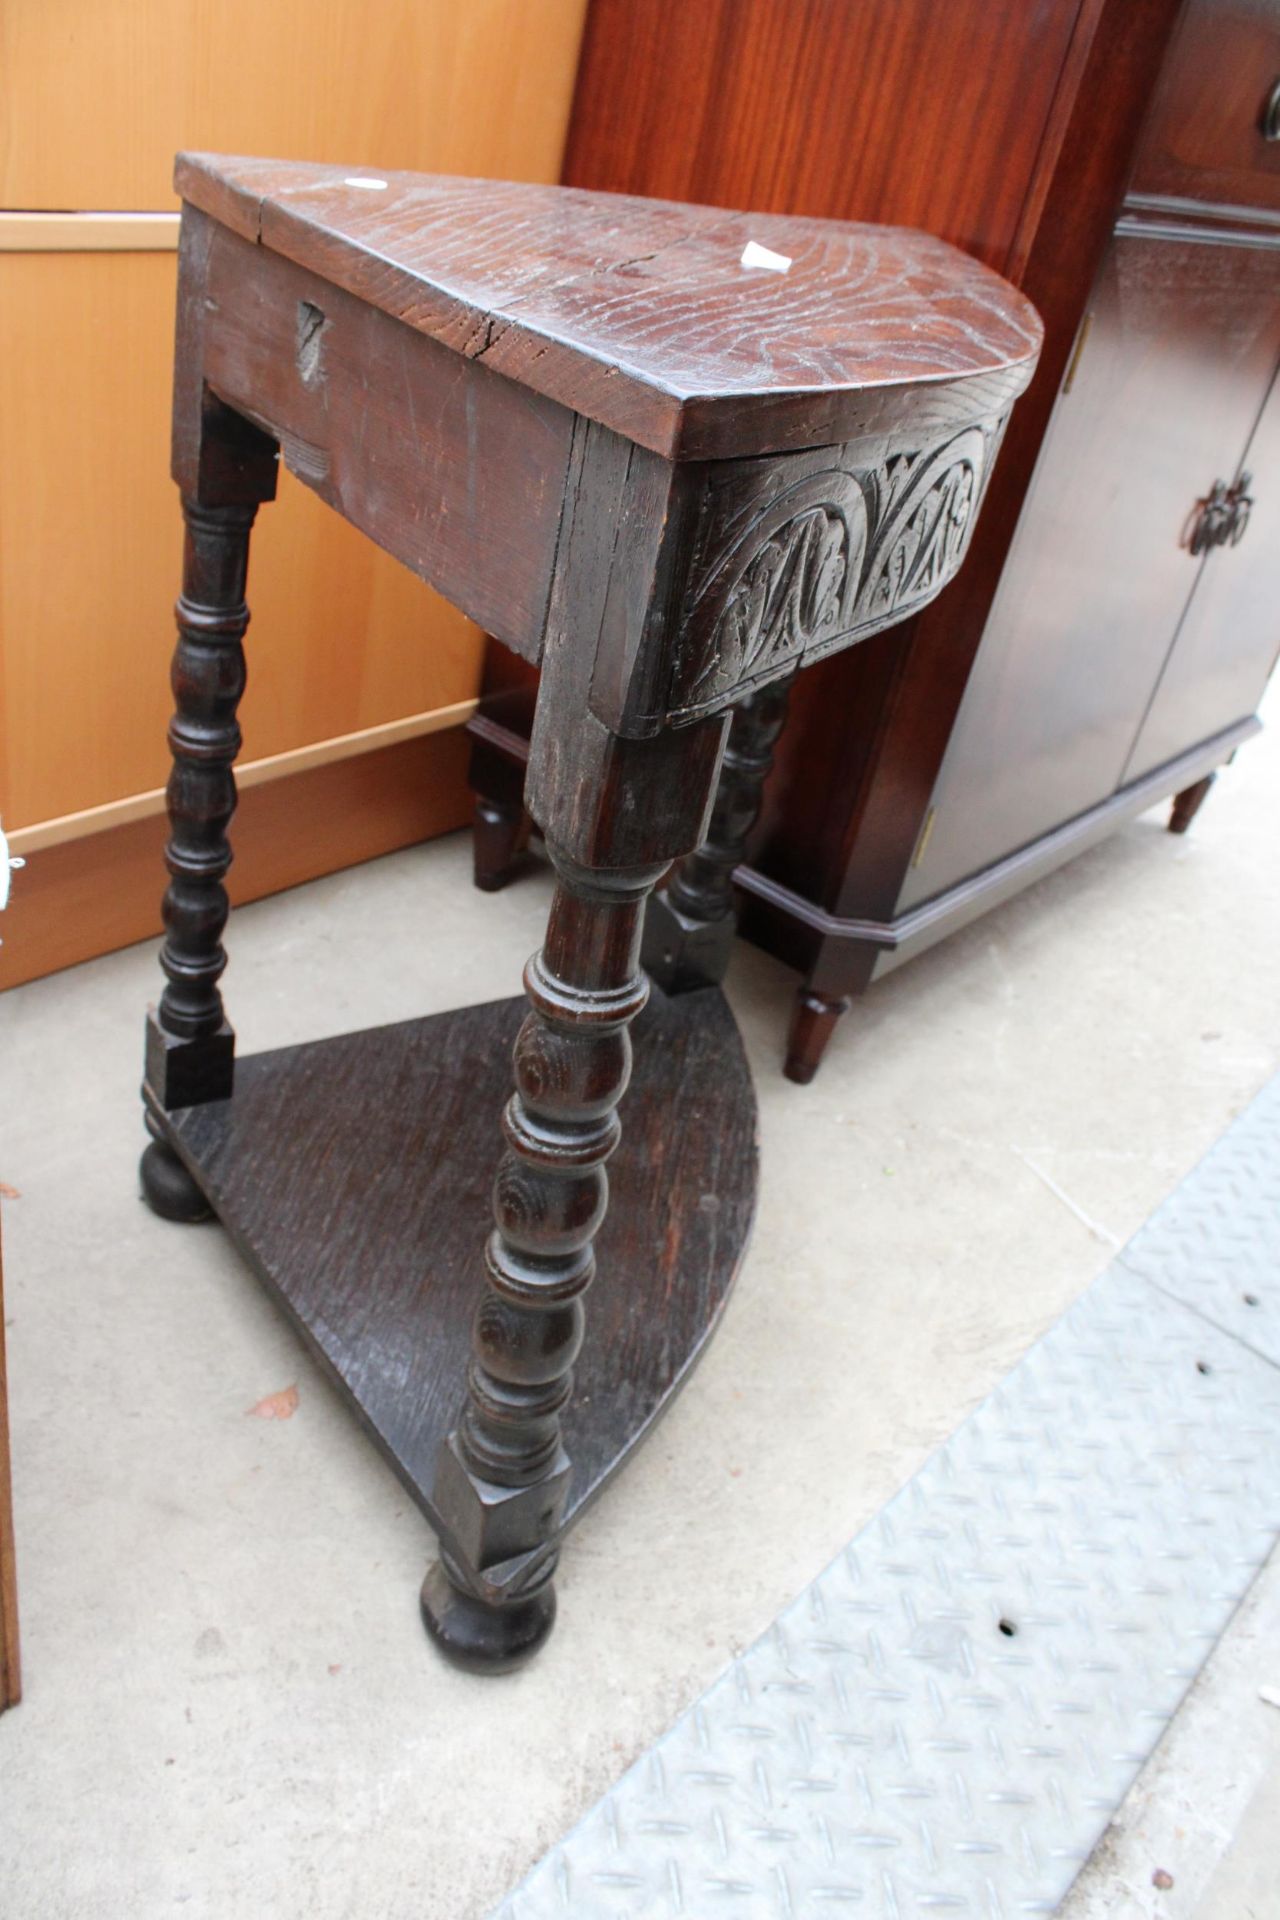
754,255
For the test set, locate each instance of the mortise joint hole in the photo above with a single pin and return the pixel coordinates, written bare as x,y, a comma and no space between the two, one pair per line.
1202,1366
311,325
1007,1627
1250,1299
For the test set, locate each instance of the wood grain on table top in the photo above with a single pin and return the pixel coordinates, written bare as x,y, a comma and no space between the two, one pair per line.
639,313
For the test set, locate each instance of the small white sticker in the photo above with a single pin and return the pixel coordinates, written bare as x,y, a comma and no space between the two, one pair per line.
754,255
6,866
365,180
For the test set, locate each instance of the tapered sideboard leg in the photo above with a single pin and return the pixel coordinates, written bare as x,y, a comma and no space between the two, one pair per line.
813,1021
1187,804
190,1056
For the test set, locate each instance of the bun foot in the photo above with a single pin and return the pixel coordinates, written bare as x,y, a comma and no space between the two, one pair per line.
499,832
168,1188
481,1638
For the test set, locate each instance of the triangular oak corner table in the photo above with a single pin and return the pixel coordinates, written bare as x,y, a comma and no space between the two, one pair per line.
671,477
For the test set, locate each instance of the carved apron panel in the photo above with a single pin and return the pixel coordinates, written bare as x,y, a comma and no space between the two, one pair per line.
793,571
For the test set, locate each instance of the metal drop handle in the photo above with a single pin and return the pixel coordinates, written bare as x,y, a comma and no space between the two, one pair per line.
1211,526
1241,507
1223,516
1270,121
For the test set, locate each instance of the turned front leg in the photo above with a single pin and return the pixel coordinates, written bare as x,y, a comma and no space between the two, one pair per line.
503,1475
190,1054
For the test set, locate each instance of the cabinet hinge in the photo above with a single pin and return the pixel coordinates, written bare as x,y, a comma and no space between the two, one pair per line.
922,844
1081,337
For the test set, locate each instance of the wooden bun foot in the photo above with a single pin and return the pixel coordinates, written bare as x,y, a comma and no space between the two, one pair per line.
168,1188
480,1638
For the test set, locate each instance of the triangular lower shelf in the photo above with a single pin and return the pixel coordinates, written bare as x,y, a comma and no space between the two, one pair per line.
354,1174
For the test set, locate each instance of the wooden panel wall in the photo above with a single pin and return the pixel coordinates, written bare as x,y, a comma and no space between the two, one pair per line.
910,112
342,638
749,103
347,651
100,94
1004,126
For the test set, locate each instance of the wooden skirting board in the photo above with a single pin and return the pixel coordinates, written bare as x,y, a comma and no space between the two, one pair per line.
98,891
88,232
252,773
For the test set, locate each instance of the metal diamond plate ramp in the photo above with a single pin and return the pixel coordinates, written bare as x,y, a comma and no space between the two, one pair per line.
946,1719
1215,1242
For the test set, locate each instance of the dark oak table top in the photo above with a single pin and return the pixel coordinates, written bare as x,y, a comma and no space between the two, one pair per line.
639,313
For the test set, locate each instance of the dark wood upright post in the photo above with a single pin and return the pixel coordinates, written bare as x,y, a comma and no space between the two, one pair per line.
615,813
190,1044
690,922
504,1474
225,467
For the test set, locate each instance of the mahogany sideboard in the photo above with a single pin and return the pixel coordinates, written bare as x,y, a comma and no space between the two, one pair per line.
673,474
1107,645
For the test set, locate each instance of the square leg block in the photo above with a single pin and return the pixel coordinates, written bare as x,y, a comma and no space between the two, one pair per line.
189,1073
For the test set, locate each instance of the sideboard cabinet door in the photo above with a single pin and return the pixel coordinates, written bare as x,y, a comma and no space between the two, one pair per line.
1172,365
1229,638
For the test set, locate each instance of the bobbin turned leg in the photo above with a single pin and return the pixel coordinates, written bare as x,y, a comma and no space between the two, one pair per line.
190,1048
190,1045
504,1474
690,921
612,827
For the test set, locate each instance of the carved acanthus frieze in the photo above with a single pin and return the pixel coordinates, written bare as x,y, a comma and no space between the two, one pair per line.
788,582
923,535
835,555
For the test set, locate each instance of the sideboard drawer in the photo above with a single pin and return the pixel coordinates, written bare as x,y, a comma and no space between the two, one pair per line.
1213,133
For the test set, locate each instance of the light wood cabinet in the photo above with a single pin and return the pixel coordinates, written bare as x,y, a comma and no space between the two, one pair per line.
100,94
348,652
342,638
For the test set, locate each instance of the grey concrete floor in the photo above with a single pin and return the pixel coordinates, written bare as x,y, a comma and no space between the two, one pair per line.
230,1707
